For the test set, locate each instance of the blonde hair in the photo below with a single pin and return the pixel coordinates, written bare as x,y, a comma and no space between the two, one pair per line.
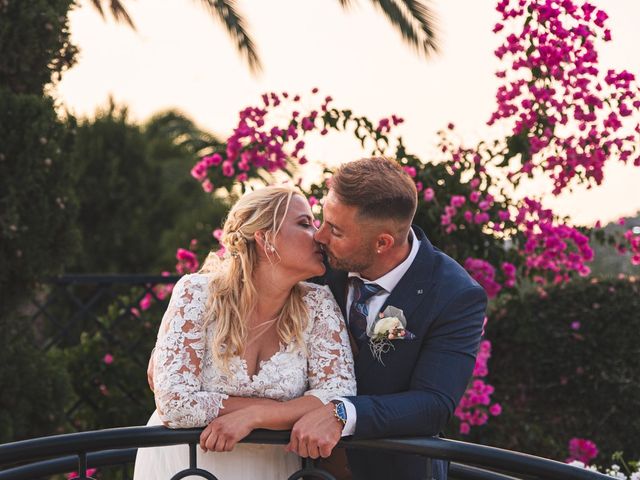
232,293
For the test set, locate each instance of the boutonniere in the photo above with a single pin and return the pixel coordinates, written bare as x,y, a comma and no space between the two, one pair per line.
390,325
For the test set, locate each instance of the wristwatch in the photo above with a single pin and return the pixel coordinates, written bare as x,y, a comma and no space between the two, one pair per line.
340,411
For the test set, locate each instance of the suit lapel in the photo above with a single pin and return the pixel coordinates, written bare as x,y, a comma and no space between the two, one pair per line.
410,291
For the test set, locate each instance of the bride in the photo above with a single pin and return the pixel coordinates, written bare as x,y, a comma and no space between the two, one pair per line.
246,344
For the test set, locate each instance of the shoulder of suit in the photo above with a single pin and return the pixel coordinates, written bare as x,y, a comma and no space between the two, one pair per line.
450,272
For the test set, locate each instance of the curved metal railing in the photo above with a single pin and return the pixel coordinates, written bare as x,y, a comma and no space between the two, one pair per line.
119,445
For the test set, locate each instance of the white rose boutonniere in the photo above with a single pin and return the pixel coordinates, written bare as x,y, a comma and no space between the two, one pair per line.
390,325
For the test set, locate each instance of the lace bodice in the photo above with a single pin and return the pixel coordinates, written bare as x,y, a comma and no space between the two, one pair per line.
190,388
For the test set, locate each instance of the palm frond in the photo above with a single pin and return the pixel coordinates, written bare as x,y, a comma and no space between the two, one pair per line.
120,13
97,4
416,22
174,125
117,10
428,22
228,14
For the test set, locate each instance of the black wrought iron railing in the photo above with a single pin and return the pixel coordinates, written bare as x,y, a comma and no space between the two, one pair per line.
47,456
70,304
86,317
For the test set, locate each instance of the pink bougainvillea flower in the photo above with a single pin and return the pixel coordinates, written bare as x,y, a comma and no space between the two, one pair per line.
582,450
428,194
187,261
145,303
207,186
90,473
457,201
411,171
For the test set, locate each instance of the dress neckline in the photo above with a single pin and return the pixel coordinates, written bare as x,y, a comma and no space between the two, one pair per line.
262,364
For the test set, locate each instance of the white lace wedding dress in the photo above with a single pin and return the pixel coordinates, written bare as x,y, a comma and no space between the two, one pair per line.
190,389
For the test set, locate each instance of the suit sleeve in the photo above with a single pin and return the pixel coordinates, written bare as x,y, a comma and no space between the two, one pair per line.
439,379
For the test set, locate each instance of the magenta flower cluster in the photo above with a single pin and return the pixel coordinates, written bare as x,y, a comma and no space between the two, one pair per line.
485,274
472,212
582,450
567,116
161,292
633,240
475,406
544,246
257,143
550,247
187,261
269,138
90,473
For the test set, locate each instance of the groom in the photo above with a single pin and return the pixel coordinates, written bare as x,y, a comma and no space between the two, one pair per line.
379,259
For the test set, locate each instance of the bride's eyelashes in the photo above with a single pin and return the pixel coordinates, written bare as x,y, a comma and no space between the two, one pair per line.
306,224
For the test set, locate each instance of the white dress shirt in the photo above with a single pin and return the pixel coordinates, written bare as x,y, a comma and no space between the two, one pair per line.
388,282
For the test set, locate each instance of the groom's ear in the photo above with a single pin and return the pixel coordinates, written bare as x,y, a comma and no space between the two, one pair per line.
384,242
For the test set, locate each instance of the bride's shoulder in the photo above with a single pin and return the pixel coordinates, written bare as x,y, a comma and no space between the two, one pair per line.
310,288
314,293
193,282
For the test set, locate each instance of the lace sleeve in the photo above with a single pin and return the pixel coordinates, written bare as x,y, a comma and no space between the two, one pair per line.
178,357
330,361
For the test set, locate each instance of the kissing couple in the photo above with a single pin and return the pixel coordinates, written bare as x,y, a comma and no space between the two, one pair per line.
381,343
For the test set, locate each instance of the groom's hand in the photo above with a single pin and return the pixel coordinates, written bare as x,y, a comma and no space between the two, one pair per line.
316,433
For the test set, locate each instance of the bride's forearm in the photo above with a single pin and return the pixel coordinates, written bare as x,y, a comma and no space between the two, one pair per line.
283,415
233,404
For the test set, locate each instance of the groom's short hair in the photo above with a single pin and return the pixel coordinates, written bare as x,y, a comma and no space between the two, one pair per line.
378,187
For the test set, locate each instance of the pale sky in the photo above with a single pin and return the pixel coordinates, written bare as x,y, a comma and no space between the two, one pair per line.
180,57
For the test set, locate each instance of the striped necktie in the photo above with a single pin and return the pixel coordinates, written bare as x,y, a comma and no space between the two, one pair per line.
359,310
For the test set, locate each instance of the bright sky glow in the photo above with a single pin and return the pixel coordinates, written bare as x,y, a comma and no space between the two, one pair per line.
181,58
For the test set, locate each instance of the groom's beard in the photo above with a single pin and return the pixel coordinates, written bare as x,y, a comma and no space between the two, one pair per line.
356,263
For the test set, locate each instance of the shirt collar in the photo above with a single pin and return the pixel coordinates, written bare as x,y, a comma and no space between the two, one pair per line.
389,280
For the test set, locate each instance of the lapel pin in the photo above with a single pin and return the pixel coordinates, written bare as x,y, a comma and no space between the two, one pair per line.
420,292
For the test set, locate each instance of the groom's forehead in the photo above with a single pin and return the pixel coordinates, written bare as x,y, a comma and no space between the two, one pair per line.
334,206
340,215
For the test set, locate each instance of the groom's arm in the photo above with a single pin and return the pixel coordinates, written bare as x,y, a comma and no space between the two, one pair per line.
439,378
438,381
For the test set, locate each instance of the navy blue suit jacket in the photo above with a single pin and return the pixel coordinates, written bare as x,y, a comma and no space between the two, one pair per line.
417,389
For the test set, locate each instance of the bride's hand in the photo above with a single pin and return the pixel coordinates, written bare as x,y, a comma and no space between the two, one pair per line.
224,432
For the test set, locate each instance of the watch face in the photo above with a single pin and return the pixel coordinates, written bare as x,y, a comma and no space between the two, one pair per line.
341,411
